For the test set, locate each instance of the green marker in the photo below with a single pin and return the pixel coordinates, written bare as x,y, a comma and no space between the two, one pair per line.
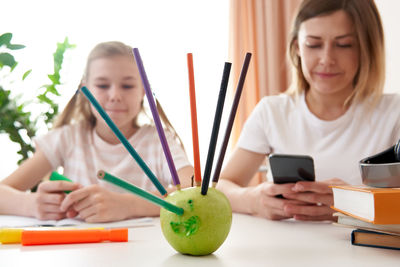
55,176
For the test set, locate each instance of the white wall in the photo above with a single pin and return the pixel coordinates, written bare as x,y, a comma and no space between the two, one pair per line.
164,31
390,19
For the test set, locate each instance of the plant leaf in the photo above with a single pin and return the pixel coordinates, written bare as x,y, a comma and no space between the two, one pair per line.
55,78
7,59
44,98
26,74
15,46
5,38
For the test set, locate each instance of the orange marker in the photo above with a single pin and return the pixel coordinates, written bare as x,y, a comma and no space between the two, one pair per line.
13,235
49,237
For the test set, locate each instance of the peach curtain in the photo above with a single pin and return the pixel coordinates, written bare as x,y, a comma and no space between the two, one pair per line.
260,27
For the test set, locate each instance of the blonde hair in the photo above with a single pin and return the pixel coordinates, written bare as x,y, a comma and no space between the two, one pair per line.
370,78
78,108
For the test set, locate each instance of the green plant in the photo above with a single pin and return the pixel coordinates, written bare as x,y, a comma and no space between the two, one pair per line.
51,89
15,118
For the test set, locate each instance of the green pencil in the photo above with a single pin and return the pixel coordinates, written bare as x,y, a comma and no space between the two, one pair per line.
140,192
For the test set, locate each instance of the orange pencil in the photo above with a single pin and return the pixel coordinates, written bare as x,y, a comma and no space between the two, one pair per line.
50,237
193,113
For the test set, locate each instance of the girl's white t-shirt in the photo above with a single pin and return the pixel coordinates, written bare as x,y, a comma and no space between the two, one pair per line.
82,153
284,124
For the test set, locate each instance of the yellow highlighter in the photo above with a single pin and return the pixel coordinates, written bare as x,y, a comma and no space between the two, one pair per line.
13,235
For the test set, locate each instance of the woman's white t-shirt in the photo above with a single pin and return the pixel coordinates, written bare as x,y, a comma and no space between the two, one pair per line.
82,153
284,124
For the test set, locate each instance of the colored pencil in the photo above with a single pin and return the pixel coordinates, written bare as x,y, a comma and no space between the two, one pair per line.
231,118
193,115
139,192
156,117
124,141
215,129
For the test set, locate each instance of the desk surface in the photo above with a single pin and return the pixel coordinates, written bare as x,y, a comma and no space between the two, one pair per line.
252,242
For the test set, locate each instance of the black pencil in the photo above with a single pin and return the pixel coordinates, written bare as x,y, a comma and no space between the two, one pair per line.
215,129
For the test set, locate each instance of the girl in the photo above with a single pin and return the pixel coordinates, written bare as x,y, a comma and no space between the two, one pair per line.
82,144
335,111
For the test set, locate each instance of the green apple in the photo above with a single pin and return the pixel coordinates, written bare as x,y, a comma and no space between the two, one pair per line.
205,222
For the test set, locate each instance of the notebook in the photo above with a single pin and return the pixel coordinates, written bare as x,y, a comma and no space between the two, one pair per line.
21,221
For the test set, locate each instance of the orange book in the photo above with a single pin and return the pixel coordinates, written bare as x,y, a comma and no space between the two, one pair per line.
375,205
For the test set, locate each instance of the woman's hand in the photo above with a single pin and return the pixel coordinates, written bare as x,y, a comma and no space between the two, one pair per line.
265,203
96,204
316,199
48,198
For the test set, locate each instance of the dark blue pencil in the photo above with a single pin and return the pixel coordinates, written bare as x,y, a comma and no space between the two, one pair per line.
215,129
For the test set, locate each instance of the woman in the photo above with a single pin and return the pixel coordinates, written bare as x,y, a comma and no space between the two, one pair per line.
335,111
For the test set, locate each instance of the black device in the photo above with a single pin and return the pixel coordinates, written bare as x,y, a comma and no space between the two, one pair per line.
390,155
382,169
397,150
287,168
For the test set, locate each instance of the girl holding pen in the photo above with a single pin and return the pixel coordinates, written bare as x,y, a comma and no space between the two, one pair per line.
82,143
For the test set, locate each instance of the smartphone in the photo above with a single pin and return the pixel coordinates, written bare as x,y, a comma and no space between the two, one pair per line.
291,168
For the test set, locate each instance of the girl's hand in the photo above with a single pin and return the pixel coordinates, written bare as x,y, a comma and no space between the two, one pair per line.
316,197
95,204
48,198
265,202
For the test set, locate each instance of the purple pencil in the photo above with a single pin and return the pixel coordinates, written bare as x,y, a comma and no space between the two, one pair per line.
231,118
156,118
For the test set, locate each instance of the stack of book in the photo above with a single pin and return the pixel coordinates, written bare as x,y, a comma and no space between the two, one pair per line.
374,213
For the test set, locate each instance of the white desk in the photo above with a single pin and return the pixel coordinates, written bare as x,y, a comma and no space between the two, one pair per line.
251,242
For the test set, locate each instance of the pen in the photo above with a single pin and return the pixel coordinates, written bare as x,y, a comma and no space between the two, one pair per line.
51,237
